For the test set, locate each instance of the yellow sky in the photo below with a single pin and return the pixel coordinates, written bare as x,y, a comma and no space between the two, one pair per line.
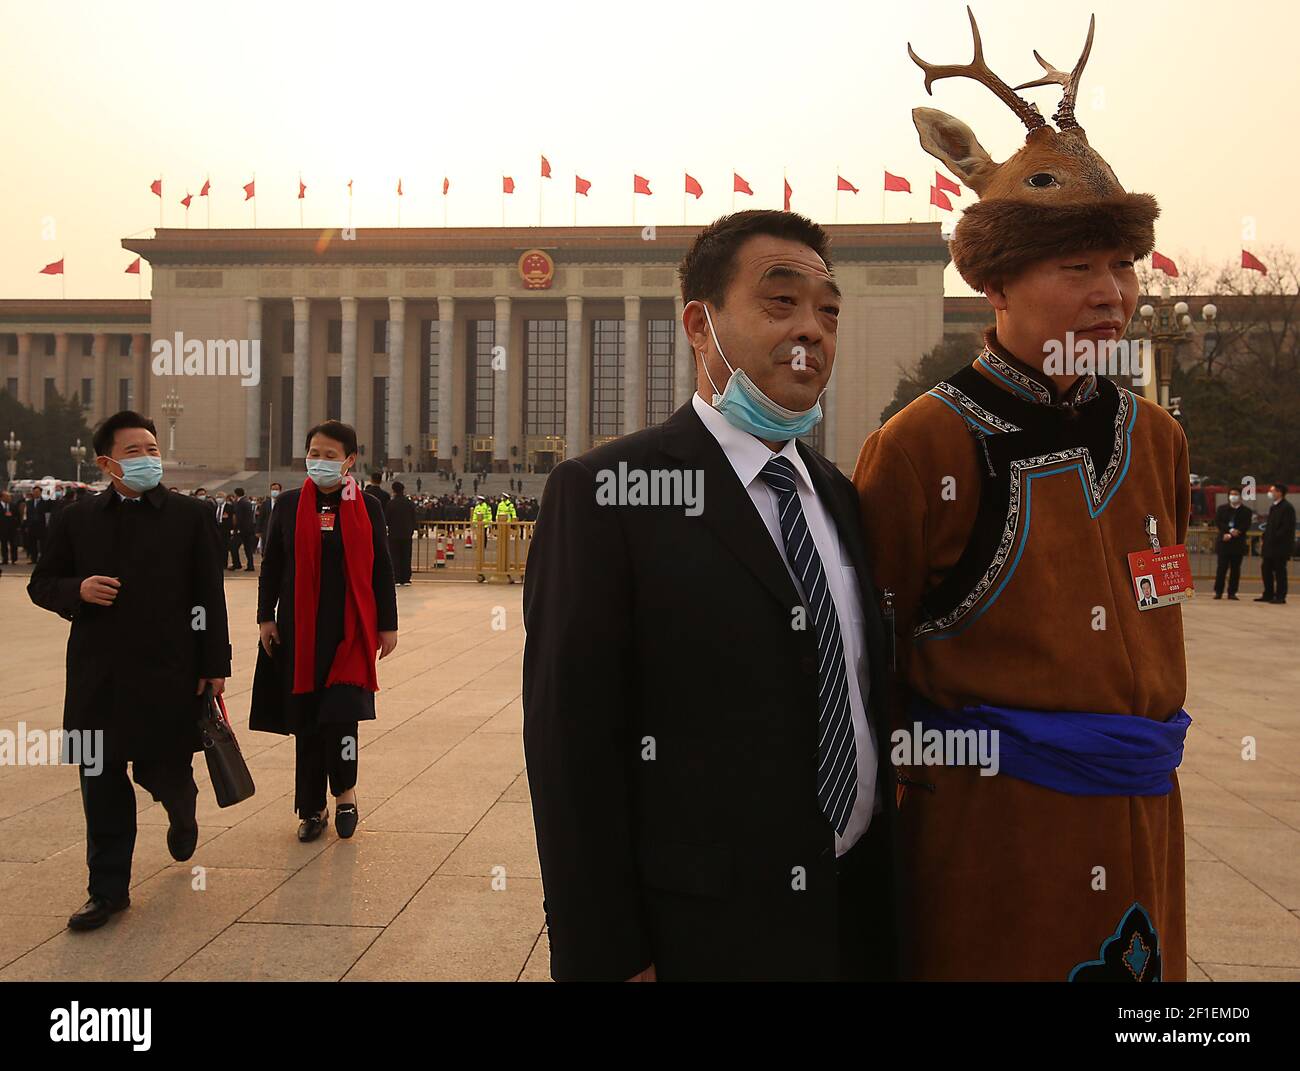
1191,101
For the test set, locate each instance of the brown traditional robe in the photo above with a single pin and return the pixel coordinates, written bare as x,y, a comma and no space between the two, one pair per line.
1001,877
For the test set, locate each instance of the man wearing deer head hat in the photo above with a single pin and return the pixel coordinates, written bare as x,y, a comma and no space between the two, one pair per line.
1001,509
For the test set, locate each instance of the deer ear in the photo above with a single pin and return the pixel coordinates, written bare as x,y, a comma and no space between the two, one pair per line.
953,143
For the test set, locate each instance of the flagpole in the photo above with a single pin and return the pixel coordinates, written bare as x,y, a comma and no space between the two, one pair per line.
63,276
540,180
683,203
160,200
837,193
254,200
785,181
882,203
208,197
300,200
575,198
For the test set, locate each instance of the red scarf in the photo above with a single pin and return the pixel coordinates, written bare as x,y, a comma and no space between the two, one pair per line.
354,659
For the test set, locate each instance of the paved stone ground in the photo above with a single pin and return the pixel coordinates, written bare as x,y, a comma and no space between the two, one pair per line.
444,803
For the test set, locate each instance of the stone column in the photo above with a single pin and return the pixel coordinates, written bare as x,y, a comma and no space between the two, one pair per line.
301,374
683,360
501,390
633,367
348,364
396,383
99,388
25,369
140,371
575,433
253,392
60,365
446,379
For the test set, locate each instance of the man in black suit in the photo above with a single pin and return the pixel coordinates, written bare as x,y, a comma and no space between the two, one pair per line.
10,516
137,570
400,515
245,533
705,665
1232,519
1277,545
225,518
35,511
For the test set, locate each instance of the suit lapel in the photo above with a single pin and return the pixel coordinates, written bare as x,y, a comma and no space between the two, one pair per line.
728,510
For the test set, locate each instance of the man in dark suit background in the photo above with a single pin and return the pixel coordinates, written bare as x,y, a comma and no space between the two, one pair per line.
10,518
400,515
137,570
1232,520
704,708
245,533
225,518
1277,545
36,512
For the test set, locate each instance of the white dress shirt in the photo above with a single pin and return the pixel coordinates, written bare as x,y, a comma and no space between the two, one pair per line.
748,455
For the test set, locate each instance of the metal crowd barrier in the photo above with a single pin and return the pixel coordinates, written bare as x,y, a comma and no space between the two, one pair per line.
464,550
1202,550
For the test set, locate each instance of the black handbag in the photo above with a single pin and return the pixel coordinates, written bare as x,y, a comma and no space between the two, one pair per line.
227,769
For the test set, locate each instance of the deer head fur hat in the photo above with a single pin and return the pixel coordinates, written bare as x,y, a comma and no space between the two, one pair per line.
1054,195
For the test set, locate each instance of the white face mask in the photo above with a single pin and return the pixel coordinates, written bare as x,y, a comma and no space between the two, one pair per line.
1234,500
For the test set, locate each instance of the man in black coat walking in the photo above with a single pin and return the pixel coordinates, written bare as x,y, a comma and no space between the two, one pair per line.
245,534
1277,545
137,570
705,664
400,515
374,486
1232,520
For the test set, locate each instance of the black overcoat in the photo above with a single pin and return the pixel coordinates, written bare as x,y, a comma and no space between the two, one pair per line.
273,675
133,667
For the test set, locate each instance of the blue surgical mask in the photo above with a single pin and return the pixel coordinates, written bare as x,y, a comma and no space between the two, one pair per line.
323,472
274,493
140,473
749,409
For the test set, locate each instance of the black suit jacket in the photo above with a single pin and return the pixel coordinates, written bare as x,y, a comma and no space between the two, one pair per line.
1279,530
244,519
1227,518
670,725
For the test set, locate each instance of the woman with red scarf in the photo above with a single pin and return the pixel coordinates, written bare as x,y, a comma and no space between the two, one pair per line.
326,603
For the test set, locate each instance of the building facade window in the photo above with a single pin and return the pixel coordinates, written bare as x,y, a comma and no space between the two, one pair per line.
87,389
124,345
544,357
335,340
334,398
607,354
661,339
480,394
379,436
379,336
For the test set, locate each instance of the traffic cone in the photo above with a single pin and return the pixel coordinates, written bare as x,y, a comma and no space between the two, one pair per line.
469,538
451,548
439,560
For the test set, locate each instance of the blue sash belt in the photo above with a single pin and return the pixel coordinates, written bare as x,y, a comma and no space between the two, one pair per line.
1077,753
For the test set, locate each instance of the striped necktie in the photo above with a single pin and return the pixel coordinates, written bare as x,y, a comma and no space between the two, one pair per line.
837,755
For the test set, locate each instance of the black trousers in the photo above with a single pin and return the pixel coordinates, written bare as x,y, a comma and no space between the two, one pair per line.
866,913
109,802
328,754
400,550
1229,566
9,545
1274,573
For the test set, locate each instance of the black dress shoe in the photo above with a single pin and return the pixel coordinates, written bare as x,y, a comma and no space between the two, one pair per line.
311,828
1264,598
345,819
1219,595
182,840
95,912
1233,598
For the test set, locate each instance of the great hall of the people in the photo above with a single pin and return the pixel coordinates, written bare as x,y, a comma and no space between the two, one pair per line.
501,348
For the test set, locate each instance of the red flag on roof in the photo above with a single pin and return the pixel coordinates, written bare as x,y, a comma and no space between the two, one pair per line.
739,185
53,269
133,268
895,184
693,187
1164,264
1249,260
640,185
581,185
841,183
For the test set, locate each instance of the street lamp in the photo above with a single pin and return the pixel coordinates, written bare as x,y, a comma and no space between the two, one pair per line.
13,445
1166,325
78,455
173,407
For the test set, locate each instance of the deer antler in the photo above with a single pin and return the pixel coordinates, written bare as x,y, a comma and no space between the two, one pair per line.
1064,115
978,70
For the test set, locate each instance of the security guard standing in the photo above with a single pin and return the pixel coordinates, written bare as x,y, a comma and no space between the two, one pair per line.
506,509
482,512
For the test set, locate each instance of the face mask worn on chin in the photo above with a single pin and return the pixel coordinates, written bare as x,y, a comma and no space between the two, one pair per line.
324,473
749,409
140,473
